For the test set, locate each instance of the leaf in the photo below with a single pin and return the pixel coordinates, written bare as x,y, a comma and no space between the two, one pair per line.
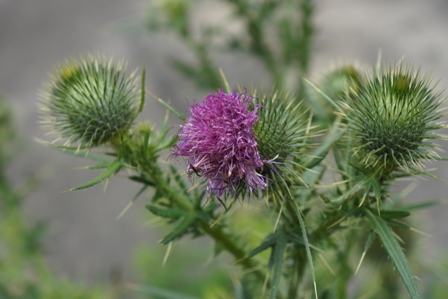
319,154
395,252
142,99
307,245
172,109
99,166
78,152
268,242
367,246
391,214
397,224
180,229
113,168
165,212
278,252
421,205
142,180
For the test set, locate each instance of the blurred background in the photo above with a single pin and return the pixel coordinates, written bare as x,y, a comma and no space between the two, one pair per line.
85,241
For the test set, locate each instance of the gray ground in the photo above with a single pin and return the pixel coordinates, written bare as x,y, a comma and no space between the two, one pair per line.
85,240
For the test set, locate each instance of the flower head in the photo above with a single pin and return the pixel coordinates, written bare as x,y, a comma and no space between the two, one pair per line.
392,118
219,143
90,101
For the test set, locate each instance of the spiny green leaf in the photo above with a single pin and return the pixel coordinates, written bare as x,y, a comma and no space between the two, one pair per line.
278,253
397,224
391,214
367,246
142,180
79,152
319,154
179,179
180,229
165,212
307,245
113,168
395,252
268,242
294,238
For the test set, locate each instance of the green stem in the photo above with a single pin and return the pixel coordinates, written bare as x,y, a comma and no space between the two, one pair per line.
296,277
216,232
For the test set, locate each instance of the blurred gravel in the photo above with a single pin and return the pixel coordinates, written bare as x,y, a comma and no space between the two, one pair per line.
85,240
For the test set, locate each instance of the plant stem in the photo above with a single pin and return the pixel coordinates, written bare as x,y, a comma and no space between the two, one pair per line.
225,240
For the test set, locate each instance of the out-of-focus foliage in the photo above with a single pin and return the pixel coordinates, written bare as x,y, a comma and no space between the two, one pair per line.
24,273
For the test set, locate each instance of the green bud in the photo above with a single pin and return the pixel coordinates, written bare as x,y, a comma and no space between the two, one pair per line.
335,84
391,118
90,101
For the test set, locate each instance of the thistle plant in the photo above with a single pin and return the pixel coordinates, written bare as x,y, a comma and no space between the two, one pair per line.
319,178
248,146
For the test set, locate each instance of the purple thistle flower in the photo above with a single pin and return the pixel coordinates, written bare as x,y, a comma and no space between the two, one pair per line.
219,143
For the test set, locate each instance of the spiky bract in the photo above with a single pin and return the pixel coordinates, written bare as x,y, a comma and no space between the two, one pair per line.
90,101
391,118
283,133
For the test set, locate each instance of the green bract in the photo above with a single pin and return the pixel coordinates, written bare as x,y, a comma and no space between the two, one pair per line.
391,118
283,134
90,101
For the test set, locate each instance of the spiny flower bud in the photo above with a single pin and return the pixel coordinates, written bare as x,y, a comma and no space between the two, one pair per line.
90,101
334,84
391,119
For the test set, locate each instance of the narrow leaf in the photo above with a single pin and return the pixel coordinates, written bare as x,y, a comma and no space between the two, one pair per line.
142,99
307,246
319,154
129,205
278,252
171,108
99,166
391,214
141,180
395,252
397,224
367,246
180,229
165,212
268,242
78,152
113,168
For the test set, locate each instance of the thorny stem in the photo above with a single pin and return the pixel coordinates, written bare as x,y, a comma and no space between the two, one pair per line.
216,232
